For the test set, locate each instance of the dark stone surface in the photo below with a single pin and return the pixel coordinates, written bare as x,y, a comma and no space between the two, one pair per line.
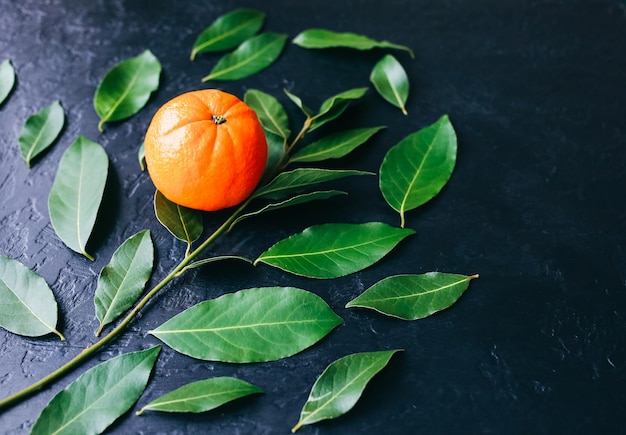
536,93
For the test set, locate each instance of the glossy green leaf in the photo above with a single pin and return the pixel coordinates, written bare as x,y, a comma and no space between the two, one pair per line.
141,157
228,31
412,297
334,106
202,396
41,130
252,56
252,325
333,250
416,169
390,80
275,153
288,183
77,192
99,396
335,146
27,305
7,79
183,223
341,385
126,88
122,281
271,113
322,38
298,102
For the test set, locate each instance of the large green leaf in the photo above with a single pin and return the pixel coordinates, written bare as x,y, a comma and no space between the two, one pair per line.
77,191
271,113
322,38
126,88
99,396
391,82
333,250
228,31
7,79
252,56
335,145
201,396
27,305
417,168
341,385
122,281
183,223
334,106
412,297
41,130
252,325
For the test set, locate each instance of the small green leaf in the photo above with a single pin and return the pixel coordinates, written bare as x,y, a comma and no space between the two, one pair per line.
416,169
27,305
271,113
183,223
99,396
122,281
391,82
290,182
334,106
77,192
40,131
7,79
335,146
253,325
333,250
126,88
322,38
412,297
298,102
252,56
202,396
228,31
341,385
141,156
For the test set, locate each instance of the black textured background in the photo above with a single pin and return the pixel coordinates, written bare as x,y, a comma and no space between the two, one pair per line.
536,91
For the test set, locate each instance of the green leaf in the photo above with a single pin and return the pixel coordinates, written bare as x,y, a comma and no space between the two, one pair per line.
289,182
40,131
416,169
126,88
333,250
99,396
275,152
412,297
298,102
335,146
141,156
322,38
77,191
122,281
391,82
271,113
252,325
27,305
7,79
341,385
202,395
183,223
334,106
228,31
252,56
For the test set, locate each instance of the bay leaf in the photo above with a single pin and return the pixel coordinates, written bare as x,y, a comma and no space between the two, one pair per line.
122,281
412,297
202,396
298,102
27,305
323,38
126,88
228,31
333,250
391,81
271,113
341,385
98,397
252,56
7,79
41,130
77,192
334,106
251,325
275,153
183,223
334,146
416,169
294,181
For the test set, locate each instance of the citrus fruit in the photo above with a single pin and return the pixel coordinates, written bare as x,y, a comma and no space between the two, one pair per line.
205,150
